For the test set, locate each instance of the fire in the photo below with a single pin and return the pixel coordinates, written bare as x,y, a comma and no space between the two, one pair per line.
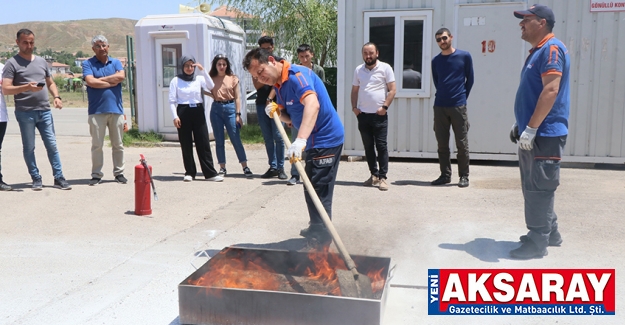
377,280
241,273
315,273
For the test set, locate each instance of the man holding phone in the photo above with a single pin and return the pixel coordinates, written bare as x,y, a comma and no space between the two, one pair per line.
25,76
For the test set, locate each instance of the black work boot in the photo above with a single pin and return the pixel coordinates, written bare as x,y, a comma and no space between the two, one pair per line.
528,251
313,230
555,239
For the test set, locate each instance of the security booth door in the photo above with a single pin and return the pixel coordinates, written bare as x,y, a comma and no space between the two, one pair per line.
492,35
168,53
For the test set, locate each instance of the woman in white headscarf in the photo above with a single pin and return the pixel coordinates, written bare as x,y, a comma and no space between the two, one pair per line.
187,107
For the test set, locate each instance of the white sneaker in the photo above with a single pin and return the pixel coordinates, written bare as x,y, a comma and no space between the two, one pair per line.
215,179
187,178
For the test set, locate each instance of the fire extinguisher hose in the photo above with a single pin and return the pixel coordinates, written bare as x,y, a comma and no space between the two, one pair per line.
145,165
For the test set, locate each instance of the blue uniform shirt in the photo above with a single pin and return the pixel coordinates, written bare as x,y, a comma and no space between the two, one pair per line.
549,57
106,100
297,83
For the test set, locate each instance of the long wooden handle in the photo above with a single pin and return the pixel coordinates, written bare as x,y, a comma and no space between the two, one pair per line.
315,198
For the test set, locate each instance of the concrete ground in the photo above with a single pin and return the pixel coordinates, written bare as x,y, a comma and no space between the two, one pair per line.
83,257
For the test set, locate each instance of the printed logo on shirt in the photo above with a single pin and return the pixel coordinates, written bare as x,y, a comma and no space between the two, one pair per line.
529,66
289,103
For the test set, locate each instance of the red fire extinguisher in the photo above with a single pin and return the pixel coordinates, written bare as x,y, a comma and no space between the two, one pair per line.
143,180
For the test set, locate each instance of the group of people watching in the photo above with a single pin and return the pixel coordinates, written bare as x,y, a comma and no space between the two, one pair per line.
298,95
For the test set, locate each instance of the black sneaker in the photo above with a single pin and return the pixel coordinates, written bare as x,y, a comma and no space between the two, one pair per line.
441,180
222,171
37,184
292,181
281,174
528,251
121,179
5,187
95,181
62,183
271,172
247,172
464,181
555,239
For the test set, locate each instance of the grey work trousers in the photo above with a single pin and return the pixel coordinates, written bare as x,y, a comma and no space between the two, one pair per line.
540,177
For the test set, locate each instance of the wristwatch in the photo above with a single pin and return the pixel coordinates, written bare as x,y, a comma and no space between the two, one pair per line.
385,107
238,114
59,97
269,99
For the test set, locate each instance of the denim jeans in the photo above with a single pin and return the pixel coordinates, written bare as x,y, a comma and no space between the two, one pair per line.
42,120
224,115
273,140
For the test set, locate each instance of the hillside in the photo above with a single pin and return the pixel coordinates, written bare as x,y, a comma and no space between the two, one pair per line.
73,35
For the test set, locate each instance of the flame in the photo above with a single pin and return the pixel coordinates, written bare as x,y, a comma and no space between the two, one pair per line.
235,268
239,273
377,279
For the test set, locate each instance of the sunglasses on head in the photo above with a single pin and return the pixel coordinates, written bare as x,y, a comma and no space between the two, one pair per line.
444,38
220,56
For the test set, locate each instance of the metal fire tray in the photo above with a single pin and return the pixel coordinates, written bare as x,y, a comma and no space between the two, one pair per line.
290,303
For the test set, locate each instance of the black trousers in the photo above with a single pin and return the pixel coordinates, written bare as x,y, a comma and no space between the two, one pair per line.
193,126
374,131
456,117
3,130
322,165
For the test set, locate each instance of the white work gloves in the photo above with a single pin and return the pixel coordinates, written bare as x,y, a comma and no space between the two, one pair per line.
295,150
272,108
514,132
526,142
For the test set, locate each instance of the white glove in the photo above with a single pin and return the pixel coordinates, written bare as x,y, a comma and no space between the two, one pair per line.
514,132
295,150
272,108
526,142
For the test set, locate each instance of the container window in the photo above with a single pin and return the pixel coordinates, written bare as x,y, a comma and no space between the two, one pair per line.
404,40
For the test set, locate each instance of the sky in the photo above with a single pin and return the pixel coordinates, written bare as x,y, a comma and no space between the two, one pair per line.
61,10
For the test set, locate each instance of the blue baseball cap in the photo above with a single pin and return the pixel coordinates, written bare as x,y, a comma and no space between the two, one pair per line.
541,11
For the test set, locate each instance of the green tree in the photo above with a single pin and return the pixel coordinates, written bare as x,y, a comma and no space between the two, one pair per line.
293,22
80,54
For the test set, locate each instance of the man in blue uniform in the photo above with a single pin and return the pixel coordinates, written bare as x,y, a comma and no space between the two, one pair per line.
303,101
541,109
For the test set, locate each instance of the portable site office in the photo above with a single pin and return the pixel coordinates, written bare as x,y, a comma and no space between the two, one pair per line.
489,31
160,42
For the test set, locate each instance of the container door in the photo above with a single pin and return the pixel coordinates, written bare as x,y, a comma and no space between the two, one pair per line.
493,37
168,53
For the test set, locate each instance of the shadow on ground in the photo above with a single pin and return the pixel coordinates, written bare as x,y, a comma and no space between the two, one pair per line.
485,249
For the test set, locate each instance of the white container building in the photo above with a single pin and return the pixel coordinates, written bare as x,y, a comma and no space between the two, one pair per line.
404,31
160,42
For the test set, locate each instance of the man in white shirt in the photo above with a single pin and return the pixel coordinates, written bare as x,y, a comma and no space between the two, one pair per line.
373,90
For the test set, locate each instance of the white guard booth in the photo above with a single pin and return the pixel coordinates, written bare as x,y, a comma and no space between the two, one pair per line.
160,42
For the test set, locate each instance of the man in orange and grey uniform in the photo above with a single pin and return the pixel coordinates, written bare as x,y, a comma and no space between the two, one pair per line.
304,101
541,109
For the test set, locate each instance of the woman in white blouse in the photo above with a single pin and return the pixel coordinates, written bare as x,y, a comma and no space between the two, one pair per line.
4,118
187,107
